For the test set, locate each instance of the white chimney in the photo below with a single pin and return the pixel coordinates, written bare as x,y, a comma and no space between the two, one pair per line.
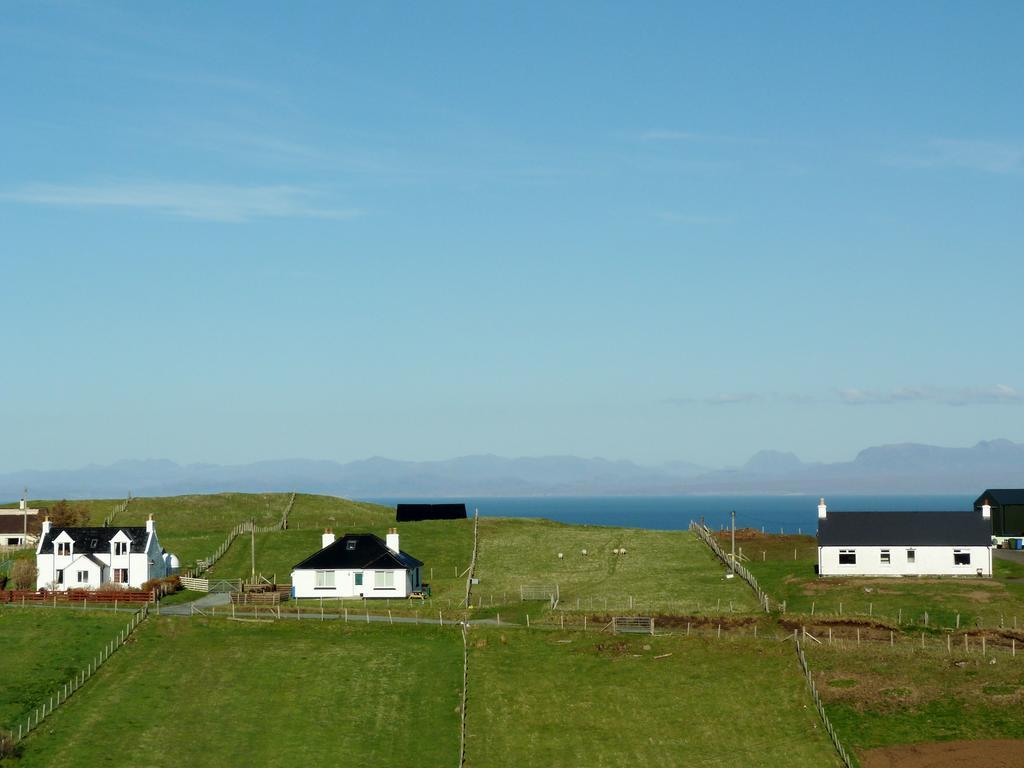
392,540
327,538
46,525
22,506
822,509
986,510
150,524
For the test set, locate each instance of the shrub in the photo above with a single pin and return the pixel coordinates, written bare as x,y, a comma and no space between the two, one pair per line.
23,574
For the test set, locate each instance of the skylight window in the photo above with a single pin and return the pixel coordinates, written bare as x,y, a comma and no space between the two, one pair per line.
350,544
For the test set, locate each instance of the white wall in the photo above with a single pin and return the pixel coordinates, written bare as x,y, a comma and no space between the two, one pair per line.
928,561
304,584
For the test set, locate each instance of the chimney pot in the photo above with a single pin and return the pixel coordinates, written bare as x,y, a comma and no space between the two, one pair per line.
822,509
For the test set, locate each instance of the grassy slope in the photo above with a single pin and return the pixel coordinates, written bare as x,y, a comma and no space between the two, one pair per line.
894,697
553,699
795,582
664,571
213,693
37,657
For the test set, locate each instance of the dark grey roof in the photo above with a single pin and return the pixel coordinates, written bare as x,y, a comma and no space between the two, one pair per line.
412,512
367,551
910,529
95,539
1001,496
16,524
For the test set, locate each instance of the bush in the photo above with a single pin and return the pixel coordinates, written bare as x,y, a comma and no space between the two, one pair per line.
23,574
169,584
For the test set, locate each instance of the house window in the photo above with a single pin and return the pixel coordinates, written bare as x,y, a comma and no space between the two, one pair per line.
83,577
63,548
120,575
325,579
886,559
961,558
359,579
384,579
120,547
847,557
60,575
911,556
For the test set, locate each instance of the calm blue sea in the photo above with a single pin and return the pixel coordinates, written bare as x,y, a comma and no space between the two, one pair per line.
788,514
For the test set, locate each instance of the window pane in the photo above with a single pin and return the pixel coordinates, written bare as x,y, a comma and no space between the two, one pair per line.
359,579
911,556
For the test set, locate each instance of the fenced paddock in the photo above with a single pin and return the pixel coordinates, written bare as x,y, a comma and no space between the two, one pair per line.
77,596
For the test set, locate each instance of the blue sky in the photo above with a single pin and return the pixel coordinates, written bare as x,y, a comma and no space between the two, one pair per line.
239,231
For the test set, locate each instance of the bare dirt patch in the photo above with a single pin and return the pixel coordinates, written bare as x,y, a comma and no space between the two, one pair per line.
991,753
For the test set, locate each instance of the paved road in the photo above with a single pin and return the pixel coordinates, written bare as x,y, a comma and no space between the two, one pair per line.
1013,555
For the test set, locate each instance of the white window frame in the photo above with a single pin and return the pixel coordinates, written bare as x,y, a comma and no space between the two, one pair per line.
82,577
885,557
964,552
118,571
911,555
843,552
120,548
63,549
325,580
383,579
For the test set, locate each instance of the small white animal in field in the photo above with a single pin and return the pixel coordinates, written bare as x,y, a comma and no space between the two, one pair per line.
560,555
584,553
615,551
622,551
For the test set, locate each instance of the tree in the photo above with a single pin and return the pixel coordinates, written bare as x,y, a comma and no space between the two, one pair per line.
65,515
23,574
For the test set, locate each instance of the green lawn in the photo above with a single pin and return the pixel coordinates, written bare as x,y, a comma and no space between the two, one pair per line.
198,693
878,697
662,571
37,657
794,581
567,699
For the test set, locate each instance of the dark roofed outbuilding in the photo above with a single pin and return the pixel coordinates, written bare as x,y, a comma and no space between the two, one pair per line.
1007,510
412,512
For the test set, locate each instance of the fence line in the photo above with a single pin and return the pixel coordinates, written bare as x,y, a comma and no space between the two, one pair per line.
39,714
471,571
118,509
246,526
704,535
465,695
833,735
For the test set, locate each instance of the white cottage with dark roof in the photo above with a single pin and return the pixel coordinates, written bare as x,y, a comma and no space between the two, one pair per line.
90,557
358,565
904,543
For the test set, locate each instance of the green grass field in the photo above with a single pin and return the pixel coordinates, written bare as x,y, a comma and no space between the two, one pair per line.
880,697
37,657
567,699
794,580
663,571
216,693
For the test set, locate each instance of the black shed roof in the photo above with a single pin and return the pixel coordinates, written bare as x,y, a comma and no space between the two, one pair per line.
411,512
96,539
911,529
1001,496
358,551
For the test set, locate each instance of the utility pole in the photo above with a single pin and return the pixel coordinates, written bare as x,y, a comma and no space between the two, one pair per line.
253,552
24,516
733,541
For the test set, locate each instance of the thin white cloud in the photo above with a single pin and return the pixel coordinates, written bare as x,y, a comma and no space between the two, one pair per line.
207,202
984,156
996,394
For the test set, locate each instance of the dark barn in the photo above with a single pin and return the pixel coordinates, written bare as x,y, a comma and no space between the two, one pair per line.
406,513
1007,510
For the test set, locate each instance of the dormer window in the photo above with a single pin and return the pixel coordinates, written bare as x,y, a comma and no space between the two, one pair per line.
120,547
63,548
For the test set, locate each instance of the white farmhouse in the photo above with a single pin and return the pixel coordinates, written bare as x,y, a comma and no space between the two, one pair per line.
904,543
89,558
357,565
18,527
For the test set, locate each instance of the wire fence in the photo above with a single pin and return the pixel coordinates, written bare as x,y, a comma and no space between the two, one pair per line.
829,728
68,689
118,509
705,535
246,526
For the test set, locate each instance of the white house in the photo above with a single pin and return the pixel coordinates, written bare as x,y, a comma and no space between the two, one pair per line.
357,565
89,558
904,543
18,527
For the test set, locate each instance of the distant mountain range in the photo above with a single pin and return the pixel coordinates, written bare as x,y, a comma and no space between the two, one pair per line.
903,468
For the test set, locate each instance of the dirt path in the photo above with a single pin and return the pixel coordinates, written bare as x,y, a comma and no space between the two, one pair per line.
993,753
